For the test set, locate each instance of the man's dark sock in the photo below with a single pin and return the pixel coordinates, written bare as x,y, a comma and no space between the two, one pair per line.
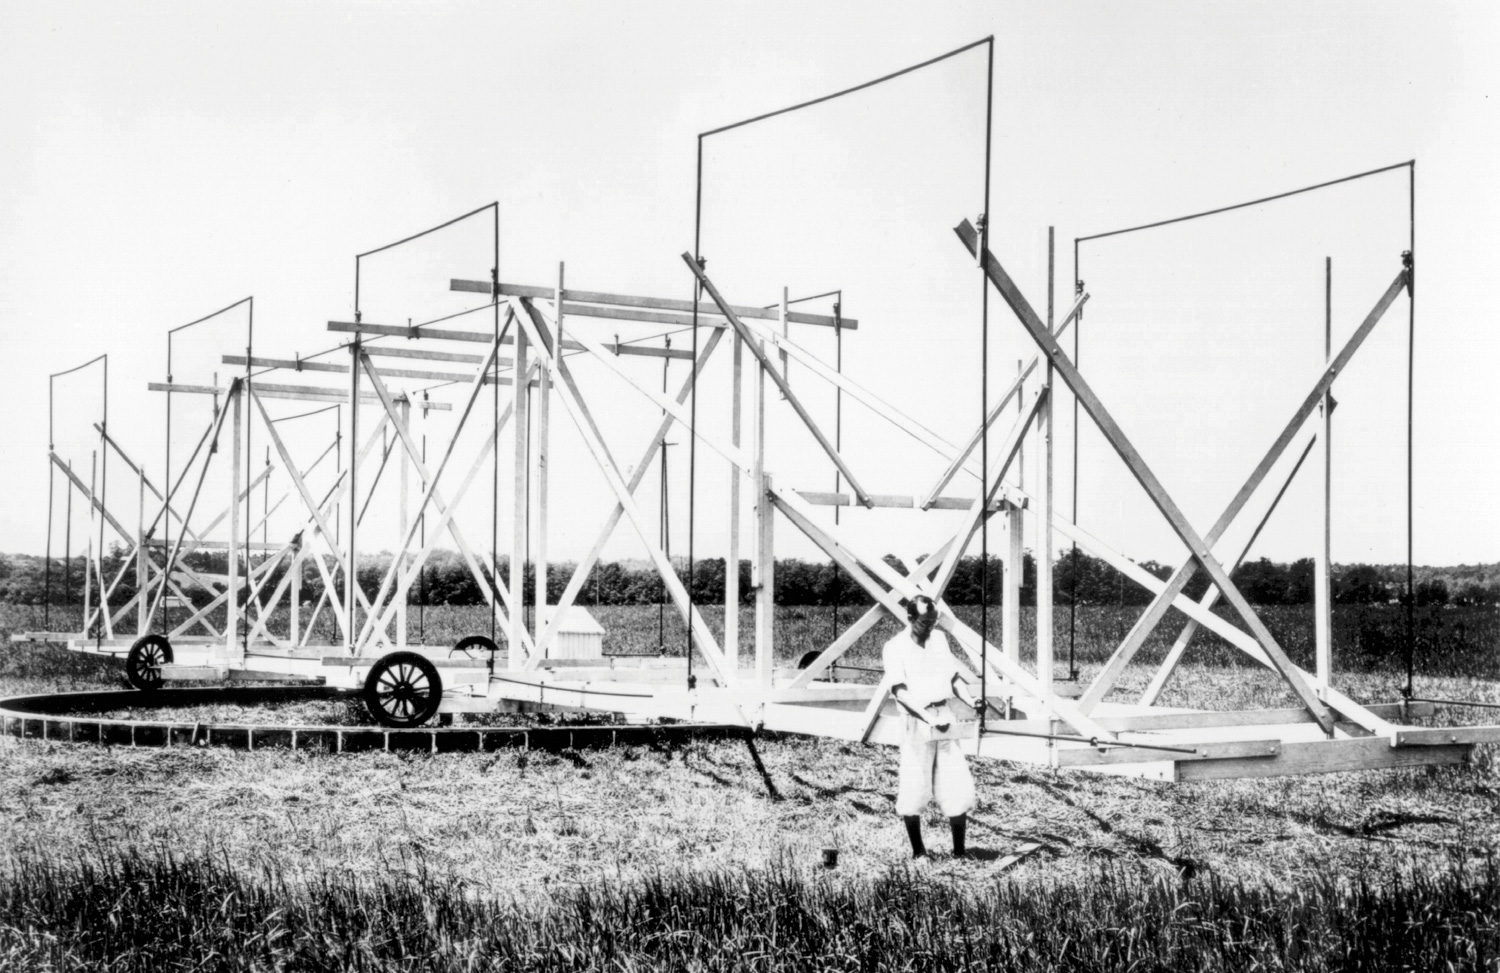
914,832
959,825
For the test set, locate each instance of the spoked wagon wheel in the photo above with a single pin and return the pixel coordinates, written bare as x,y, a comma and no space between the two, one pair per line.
403,690
143,664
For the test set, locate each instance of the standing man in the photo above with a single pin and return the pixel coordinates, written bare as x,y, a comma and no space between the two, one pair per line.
924,676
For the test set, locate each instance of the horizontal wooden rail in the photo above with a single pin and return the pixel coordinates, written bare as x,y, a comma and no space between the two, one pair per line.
650,303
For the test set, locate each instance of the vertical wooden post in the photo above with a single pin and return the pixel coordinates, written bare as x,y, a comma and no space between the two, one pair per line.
521,506
236,458
1044,516
765,595
1322,564
543,411
350,580
764,562
732,558
786,373
141,578
294,625
88,559
405,522
1010,607
1015,554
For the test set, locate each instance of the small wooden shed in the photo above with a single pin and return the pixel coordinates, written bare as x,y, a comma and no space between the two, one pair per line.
579,636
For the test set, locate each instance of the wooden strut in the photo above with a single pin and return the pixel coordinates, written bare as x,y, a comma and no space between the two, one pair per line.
1199,548
931,497
786,390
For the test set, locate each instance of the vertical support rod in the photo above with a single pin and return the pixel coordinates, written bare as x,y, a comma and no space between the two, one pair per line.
1411,350
1044,630
520,500
1322,563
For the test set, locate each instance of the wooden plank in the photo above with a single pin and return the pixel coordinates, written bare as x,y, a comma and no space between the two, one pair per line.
786,390
903,501
1142,753
438,334
428,354
732,555
259,362
1325,757
158,543
1198,546
1323,554
520,503
1010,603
648,352
657,303
1438,736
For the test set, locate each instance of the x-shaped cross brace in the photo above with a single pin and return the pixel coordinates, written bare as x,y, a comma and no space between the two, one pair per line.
1200,548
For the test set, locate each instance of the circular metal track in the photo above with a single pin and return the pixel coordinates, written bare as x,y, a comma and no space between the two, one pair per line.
69,718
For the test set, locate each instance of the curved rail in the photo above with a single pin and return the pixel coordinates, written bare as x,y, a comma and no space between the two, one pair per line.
70,718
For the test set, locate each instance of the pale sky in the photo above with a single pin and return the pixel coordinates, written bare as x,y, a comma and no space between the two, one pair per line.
167,159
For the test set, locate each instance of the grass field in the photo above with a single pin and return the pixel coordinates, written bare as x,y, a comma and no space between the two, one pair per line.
540,831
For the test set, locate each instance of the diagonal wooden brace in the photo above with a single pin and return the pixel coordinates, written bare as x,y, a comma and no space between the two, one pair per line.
779,379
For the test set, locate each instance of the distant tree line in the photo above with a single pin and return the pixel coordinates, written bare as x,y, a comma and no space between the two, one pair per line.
1077,579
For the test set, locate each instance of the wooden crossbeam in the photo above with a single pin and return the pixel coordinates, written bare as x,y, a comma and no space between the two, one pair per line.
309,366
300,393
653,303
440,334
900,501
